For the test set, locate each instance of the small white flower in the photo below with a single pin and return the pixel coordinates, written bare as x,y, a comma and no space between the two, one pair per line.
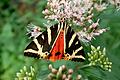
33,31
88,33
100,7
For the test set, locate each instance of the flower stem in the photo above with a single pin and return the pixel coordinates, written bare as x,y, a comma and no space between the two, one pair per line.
85,66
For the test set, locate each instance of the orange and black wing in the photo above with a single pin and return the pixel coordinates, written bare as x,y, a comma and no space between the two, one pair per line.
57,42
40,46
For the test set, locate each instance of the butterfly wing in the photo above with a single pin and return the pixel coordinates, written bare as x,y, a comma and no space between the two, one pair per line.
73,48
40,46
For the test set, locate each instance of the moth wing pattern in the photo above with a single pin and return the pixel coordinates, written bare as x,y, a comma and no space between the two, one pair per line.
73,49
41,45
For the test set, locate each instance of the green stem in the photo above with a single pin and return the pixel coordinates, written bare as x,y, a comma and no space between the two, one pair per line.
85,66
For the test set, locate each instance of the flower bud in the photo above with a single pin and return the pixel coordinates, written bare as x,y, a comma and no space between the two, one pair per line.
24,68
54,71
70,71
69,76
29,74
26,73
50,76
78,77
21,71
50,67
66,79
109,70
63,76
63,67
59,73
18,74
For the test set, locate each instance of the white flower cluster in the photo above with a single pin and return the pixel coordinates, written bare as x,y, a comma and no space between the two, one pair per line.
88,33
76,10
79,12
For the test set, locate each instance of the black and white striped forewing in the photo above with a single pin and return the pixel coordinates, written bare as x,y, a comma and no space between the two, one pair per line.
40,46
74,49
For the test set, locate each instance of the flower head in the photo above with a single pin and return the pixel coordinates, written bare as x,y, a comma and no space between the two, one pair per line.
78,12
90,32
62,73
98,58
75,10
33,31
26,74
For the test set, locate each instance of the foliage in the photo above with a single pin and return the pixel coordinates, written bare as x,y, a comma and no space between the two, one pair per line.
16,14
96,58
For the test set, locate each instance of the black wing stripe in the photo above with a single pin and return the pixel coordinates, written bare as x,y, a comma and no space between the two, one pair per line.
40,39
68,36
78,59
30,54
32,45
54,33
46,45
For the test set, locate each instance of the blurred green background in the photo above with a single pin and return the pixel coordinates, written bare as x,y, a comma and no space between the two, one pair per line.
14,17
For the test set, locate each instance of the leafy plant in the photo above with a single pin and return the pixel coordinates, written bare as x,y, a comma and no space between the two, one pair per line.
16,14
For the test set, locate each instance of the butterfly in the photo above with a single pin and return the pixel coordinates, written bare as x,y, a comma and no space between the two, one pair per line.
57,42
